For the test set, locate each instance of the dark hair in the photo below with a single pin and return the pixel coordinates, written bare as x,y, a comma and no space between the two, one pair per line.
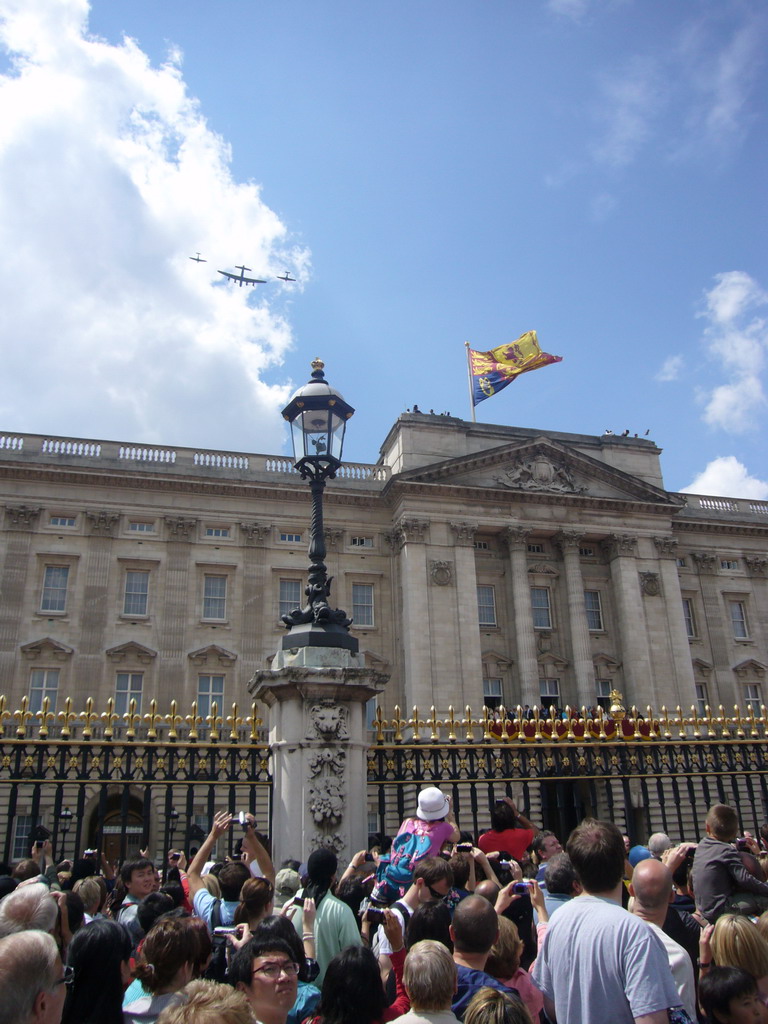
502,816
154,905
720,985
538,841
354,888
241,966
202,938
140,864
167,947
429,921
723,822
255,895
294,865
279,926
475,925
596,849
352,992
560,874
175,890
459,865
75,911
232,878
433,869
97,953
82,868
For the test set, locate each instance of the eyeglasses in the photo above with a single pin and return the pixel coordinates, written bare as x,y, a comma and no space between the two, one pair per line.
441,896
69,977
273,971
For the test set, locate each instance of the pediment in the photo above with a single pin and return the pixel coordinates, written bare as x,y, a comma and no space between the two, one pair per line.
213,654
47,647
491,656
701,666
552,661
750,669
602,660
131,652
539,467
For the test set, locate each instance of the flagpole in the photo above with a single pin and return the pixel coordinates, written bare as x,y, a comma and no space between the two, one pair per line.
469,382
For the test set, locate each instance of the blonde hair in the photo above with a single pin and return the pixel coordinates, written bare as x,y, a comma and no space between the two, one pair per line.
211,883
90,892
491,1006
208,1002
429,976
736,942
506,951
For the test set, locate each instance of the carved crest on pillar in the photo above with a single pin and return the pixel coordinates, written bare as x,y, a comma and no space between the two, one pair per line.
464,533
666,546
103,523
326,803
756,565
255,533
621,545
649,584
22,517
180,528
516,537
332,537
441,573
705,562
410,530
568,540
327,721
332,842
540,472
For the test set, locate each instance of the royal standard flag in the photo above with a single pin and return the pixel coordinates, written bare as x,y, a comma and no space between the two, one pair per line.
492,371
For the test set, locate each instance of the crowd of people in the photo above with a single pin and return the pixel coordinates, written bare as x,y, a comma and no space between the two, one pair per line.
431,927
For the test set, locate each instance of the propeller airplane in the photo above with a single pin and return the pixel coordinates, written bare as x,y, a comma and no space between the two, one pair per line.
240,278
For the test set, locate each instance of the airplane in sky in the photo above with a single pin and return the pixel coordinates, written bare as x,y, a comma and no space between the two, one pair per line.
197,259
241,278
285,277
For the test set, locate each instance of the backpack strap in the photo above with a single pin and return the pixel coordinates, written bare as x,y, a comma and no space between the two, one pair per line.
405,910
215,915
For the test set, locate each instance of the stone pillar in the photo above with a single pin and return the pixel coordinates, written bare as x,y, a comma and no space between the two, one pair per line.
678,636
173,634
409,538
101,527
714,623
636,662
525,638
581,650
469,672
14,579
757,568
318,742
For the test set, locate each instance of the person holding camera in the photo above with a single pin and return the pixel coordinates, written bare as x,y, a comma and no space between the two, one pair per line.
510,831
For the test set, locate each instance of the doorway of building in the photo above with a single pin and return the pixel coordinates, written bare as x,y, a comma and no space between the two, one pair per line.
122,829
563,805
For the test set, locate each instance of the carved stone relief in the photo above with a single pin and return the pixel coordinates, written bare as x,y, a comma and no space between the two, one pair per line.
102,523
441,573
705,562
255,533
540,472
649,584
22,516
180,528
328,721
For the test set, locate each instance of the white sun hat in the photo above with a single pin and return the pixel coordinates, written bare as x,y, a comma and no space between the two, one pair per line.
433,804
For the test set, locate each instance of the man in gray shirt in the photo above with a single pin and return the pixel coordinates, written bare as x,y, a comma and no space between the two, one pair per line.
596,958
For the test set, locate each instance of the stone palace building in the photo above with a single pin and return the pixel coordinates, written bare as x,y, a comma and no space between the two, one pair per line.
480,564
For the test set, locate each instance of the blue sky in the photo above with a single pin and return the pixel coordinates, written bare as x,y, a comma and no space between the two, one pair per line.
432,173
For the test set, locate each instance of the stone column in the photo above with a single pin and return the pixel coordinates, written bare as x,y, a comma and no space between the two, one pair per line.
469,671
581,651
636,661
13,582
173,634
757,568
318,741
525,638
409,539
714,624
101,528
678,636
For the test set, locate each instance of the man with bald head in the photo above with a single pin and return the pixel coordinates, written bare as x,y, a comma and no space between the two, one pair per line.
652,889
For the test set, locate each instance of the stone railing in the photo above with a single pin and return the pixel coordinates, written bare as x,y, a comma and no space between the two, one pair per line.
40,449
713,504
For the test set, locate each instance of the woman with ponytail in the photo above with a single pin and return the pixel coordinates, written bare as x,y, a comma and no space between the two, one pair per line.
256,901
168,960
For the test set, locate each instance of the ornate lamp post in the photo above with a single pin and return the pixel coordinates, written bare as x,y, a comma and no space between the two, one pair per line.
318,415
65,821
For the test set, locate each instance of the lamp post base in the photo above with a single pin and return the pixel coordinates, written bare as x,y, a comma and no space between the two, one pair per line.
319,634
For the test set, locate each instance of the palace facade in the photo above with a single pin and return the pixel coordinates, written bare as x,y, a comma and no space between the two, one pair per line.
480,564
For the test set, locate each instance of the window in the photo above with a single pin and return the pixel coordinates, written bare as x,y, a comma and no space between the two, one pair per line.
680,563
729,563
291,538
486,605
535,549
217,531
752,697
141,526
492,695
290,597
361,542
136,593
549,689
209,689
214,597
128,687
43,682
702,699
739,620
54,588
22,826
603,689
362,604
586,552
594,609
542,615
62,521
690,619
481,545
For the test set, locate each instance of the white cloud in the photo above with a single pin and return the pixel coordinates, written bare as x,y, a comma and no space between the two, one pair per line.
670,369
115,178
737,344
726,477
631,101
